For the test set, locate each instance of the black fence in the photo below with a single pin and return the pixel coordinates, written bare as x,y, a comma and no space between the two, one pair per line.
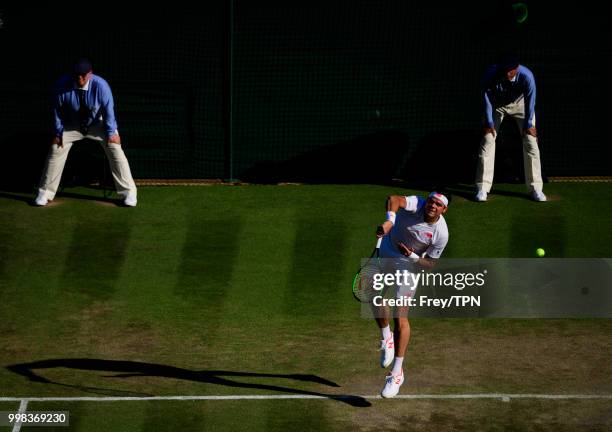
335,91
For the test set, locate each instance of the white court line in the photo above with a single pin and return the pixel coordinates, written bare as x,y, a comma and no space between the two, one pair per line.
503,396
23,406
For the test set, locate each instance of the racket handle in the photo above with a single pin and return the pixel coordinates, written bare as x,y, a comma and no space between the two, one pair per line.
378,242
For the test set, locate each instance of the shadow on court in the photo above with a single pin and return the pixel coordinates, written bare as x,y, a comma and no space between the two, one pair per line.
103,265
129,369
205,273
29,199
315,266
96,196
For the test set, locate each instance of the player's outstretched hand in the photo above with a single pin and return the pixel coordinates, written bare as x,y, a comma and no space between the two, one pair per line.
384,228
405,250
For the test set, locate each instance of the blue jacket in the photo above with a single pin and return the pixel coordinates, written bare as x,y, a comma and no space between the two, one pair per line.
98,98
499,92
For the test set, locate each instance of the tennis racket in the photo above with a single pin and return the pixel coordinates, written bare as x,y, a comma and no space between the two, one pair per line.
363,289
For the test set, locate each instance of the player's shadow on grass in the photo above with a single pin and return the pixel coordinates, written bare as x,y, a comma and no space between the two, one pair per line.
128,369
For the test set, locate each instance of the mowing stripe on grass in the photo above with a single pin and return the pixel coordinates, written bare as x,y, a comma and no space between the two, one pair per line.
208,258
503,396
309,417
4,255
92,268
316,276
23,406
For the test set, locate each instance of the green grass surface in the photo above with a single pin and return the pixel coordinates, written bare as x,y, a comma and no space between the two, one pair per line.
319,415
198,282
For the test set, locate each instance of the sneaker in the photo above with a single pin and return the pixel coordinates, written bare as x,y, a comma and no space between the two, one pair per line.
481,196
387,348
130,200
392,385
538,196
41,200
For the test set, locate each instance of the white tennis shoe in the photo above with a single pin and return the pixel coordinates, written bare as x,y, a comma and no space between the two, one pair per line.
130,200
538,196
41,200
387,348
481,196
392,385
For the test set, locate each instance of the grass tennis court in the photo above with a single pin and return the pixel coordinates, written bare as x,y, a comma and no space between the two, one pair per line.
245,290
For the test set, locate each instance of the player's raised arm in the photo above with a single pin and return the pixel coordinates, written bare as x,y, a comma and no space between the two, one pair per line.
394,203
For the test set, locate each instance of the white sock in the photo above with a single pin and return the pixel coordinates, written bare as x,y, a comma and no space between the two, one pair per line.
386,332
397,365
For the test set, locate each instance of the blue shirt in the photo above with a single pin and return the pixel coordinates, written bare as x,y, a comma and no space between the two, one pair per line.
499,92
98,98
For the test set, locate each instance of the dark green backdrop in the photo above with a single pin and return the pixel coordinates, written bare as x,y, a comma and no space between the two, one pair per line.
309,83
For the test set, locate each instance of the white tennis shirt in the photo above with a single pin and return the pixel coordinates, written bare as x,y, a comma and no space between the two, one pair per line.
411,229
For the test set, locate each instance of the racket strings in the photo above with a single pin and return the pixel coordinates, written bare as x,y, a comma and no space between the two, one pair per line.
363,286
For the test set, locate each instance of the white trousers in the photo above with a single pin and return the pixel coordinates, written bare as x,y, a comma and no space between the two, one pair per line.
531,152
56,159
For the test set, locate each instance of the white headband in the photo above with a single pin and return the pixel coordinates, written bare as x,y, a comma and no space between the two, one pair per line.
440,197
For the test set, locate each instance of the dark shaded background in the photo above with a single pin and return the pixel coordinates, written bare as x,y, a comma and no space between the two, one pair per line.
394,84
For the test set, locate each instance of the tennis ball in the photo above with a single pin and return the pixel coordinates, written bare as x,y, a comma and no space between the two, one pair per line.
540,252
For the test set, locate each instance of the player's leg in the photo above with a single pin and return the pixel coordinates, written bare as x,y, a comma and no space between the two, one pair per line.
382,316
402,338
387,341
54,166
531,157
402,332
486,158
395,379
120,168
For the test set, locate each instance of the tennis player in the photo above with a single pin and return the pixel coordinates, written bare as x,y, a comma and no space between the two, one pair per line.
414,236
